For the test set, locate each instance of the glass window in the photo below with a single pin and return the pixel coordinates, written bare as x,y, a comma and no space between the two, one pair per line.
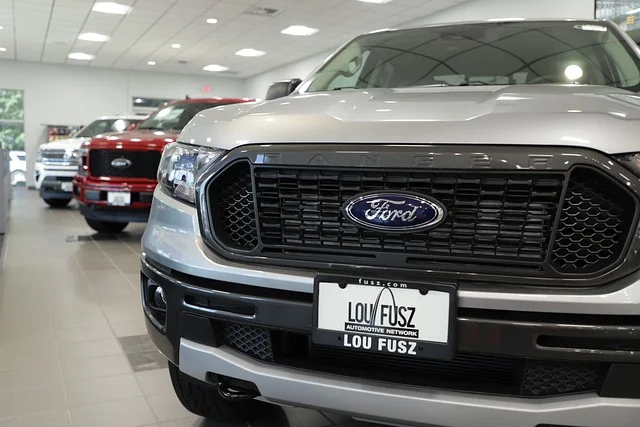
101,126
482,54
12,119
176,116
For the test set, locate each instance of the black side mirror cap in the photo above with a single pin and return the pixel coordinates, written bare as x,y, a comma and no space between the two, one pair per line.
282,88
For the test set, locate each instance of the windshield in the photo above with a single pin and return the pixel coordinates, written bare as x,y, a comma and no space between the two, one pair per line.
105,126
482,54
176,116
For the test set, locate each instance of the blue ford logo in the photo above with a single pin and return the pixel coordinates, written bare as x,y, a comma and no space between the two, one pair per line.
121,163
394,211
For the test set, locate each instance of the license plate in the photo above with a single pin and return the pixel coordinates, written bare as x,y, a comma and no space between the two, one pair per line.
66,186
118,198
387,317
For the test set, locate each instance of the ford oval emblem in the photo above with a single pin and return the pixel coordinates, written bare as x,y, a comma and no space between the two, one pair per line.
121,163
394,211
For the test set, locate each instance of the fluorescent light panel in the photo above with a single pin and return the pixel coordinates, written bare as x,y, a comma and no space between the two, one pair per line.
215,68
176,45
151,63
80,56
212,21
93,37
299,30
3,49
250,52
111,7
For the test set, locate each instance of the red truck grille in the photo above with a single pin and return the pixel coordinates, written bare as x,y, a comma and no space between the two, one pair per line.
142,164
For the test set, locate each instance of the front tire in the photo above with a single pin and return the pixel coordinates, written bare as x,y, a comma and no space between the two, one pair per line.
107,226
57,203
204,400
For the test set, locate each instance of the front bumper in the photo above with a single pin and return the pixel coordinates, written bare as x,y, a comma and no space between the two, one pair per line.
92,197
379,402
188,335
53,180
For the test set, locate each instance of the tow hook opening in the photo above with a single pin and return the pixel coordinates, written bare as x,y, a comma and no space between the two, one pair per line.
233,389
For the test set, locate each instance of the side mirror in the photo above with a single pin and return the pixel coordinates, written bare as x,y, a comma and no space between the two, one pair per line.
132,126
282,88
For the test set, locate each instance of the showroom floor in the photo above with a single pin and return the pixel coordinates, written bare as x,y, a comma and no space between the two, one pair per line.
73,346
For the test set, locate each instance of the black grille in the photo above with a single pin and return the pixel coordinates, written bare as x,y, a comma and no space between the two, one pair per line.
144,164
493,218
467,371
255,342
552,378
234,217
594,225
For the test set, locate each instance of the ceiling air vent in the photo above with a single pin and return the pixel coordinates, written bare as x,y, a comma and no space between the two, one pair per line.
267,12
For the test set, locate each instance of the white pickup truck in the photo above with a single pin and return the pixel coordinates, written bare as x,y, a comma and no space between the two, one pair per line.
57,161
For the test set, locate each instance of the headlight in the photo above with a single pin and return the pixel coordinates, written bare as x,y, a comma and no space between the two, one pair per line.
631,161
39,157
181,166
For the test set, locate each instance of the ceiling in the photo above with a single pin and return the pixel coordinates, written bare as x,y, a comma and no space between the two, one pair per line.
47,31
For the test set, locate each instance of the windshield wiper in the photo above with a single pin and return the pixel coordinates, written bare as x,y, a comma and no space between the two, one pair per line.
475,83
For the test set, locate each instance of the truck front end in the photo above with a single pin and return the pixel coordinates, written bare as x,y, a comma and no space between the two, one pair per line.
115,181
55,169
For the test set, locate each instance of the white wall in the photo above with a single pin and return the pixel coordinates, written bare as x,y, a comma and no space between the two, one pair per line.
72,95
469,11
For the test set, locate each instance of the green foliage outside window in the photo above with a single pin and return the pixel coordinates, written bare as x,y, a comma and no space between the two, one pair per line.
12,119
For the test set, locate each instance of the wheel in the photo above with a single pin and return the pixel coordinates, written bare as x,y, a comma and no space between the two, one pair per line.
57,203
204,400
18,177
106,226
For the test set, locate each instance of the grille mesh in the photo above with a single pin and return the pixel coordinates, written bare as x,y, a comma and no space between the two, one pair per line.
234,218
144,164
553,378
595,222
255,342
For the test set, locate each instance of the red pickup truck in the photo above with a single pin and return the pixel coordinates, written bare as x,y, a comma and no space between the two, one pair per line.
117,175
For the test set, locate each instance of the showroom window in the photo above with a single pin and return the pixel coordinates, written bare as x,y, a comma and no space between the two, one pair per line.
12,119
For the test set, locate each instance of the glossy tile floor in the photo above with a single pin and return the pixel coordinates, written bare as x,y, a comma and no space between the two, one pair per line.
73,345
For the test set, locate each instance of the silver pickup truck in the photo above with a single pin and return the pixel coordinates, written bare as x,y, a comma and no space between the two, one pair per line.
439,226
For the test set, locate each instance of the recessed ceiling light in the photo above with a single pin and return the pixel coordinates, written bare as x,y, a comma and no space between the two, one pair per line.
215,68
151,63
375,1
93,37
3,49
111,7
299,30
176,45
250,52
212,21
1,27
80,56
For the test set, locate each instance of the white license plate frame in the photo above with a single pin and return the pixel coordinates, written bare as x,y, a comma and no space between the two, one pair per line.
425,316
119,198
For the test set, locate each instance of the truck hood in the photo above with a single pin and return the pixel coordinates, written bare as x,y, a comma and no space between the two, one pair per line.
64,144
598,117
135,140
